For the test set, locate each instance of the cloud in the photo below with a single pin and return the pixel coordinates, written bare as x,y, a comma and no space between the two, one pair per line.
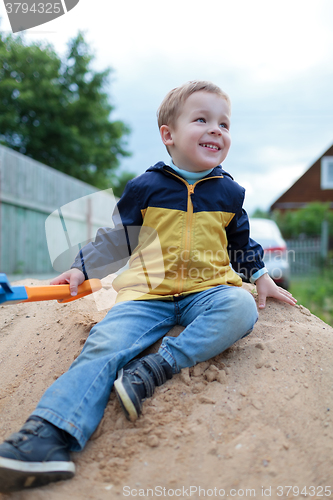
274,59
262,189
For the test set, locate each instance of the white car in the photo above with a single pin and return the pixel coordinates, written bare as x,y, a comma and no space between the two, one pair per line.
267,234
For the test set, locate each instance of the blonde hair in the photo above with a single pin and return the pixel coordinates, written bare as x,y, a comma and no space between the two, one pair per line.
171,105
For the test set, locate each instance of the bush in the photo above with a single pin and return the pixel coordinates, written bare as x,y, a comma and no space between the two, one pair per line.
306,221
315,292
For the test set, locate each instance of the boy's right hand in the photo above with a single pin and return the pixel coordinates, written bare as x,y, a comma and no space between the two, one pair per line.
74,277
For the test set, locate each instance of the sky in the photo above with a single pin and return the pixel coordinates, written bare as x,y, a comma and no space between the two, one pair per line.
273,58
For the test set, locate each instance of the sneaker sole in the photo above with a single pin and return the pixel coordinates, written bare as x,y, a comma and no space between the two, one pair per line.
124,399
17,475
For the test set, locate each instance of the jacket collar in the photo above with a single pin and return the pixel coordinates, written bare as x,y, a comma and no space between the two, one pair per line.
163,168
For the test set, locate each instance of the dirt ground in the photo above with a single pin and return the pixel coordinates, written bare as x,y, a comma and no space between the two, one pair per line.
250,423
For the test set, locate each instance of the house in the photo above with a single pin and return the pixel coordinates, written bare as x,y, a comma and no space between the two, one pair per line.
316,184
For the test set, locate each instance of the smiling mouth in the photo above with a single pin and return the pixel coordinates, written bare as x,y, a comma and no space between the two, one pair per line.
210,146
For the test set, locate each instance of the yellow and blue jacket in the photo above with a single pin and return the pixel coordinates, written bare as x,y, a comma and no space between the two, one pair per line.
179,238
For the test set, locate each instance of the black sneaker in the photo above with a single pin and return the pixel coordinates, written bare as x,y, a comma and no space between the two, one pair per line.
36,455
137,381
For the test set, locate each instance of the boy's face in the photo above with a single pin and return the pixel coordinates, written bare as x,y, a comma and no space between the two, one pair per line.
200,139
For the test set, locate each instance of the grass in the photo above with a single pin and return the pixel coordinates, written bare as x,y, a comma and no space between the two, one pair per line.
315,292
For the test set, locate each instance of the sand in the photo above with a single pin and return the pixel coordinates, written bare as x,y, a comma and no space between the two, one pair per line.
249,423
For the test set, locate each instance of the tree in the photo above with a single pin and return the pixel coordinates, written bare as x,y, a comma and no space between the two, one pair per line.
260,214
58,112
119,183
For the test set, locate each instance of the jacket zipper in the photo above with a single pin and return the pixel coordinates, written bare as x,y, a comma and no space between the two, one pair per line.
188,229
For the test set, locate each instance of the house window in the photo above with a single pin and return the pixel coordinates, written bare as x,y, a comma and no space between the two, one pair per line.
326,181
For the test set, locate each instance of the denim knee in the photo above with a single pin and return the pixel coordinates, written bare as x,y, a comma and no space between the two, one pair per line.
248,306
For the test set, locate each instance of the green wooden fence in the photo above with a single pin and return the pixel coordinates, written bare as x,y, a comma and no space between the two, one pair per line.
32,194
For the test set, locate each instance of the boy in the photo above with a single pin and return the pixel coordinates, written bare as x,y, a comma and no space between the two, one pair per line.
195,209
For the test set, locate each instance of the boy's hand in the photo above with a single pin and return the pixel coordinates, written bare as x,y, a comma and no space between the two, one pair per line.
74,277
267,288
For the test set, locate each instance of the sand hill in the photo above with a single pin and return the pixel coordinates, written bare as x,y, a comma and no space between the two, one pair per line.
250,422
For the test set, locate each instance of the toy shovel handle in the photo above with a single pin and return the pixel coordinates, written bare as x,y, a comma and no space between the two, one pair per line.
61,292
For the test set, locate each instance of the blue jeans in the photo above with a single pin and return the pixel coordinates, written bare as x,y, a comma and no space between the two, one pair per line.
213,319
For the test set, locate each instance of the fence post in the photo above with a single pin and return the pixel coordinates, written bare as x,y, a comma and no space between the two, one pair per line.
324,240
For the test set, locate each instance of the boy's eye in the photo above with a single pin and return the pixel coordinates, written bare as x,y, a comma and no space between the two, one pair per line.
201,120
223,125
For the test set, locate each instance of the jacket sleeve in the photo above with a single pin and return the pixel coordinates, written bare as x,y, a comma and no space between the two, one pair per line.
113,246
245,254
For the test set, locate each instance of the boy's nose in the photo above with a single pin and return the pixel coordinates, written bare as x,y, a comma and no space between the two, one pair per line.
215,130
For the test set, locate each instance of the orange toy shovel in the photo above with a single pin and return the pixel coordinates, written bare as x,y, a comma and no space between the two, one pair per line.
15,294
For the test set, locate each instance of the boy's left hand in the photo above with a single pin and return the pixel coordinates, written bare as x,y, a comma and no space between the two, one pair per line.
267,288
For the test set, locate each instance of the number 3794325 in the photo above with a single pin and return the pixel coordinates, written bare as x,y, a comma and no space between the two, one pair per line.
311,491
35,8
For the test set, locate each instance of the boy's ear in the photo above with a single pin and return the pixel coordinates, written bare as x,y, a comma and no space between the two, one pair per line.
166,135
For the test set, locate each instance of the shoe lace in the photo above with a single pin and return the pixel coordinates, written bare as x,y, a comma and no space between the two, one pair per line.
30,427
